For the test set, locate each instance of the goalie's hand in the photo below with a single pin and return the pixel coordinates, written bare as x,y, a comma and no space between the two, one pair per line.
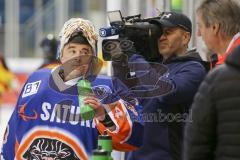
97,106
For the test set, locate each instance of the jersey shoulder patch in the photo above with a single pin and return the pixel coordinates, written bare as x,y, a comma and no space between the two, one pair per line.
31,88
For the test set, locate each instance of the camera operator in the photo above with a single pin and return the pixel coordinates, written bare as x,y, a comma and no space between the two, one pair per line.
163,135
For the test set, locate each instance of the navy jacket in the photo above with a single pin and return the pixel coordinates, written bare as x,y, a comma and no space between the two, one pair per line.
166,114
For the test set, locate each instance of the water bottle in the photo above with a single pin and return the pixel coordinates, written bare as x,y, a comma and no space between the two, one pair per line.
84,89
100,154
105,141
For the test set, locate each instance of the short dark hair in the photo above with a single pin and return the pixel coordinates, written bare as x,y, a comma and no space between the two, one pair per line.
78,38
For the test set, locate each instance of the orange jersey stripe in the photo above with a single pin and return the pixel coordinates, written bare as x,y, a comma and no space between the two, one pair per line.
123,124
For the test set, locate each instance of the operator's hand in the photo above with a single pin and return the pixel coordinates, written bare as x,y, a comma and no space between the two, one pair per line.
97,106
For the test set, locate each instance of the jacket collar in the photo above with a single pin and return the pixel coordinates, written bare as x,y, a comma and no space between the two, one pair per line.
189,55
234,58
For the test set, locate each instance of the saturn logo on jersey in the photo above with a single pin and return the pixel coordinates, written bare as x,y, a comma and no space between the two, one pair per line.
42,144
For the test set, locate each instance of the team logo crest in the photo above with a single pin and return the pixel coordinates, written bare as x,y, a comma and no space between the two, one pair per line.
47,148
50,144
102,91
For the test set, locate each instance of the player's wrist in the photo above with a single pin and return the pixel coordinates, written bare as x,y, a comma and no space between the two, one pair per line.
106,121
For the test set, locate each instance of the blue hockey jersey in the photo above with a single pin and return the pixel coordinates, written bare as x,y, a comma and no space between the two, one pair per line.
46,122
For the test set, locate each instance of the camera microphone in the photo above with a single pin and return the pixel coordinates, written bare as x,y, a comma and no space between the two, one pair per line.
108,31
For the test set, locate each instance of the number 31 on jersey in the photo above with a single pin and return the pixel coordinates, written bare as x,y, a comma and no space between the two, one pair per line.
31,88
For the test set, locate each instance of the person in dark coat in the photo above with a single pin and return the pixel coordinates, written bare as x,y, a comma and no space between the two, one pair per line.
214,132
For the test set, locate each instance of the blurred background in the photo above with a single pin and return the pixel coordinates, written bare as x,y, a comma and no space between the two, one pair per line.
25,23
